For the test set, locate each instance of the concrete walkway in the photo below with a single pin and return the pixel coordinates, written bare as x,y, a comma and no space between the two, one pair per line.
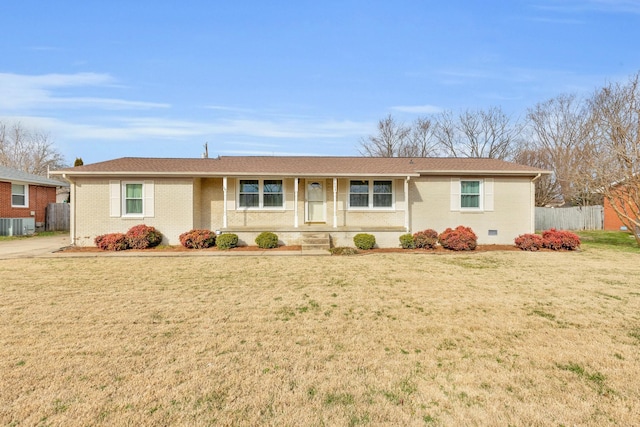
31,247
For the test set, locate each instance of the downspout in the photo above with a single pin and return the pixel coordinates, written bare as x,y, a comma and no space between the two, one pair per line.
407,226
335,202
224,202
533,203
72,209
295,202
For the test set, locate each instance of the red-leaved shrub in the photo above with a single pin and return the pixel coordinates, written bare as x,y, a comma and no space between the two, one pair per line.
427,239
143,237
529,242
560,239
111,242
198,239
459,239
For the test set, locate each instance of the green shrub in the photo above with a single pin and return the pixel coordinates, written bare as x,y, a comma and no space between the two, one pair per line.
407,242
111,242
267,240
427,239
143,237
529,242
459,239
198,239
227,241
364,241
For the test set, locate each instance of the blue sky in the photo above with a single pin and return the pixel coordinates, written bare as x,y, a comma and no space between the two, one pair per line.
116,78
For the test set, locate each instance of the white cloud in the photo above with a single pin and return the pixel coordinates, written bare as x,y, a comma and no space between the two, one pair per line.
24,92
145,128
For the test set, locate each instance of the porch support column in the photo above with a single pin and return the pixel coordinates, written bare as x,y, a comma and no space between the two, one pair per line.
406,202
295,202
335,202
224,202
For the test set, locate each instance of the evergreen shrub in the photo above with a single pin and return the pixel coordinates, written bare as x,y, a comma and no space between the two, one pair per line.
267,240
364,241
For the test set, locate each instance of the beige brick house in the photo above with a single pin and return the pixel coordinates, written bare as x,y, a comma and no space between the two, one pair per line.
291,196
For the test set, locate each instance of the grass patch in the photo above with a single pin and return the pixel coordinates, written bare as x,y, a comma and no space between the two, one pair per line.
597,379
34,235
544,314
610,240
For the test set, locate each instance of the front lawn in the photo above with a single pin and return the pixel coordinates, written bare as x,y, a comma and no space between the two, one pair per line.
491,338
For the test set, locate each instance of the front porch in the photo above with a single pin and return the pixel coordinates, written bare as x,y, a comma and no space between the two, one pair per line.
338,236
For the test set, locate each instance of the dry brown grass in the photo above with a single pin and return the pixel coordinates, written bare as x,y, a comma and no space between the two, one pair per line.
495,338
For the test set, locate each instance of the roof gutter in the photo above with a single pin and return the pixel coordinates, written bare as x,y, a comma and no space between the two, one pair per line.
484,172
217,174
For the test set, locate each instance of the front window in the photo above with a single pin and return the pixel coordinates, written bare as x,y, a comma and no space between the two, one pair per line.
470,194
19,195
273,196
370,194
133,200
260,193
359,194
382,194
249,193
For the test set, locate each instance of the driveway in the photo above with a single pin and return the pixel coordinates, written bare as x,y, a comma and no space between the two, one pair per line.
32,247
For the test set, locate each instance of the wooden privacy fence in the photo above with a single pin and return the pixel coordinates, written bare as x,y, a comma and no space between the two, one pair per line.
57,217
573,218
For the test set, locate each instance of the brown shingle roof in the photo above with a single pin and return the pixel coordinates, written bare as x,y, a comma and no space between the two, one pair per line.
300,166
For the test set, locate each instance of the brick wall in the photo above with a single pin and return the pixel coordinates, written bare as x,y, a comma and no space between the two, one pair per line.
611,220
39,198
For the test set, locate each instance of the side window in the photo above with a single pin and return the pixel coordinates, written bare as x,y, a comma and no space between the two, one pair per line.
19,195
133,201
470,194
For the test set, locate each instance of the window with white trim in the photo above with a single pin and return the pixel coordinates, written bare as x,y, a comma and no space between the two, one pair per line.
19,195
132,199
370,194
470,194
473,195
260,194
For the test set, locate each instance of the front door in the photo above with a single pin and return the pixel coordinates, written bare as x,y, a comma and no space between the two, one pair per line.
315,201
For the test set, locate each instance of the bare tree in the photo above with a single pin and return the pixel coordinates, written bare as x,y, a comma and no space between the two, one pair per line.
616,118
562,131
547,190
482,133
27,150
389,141
420,141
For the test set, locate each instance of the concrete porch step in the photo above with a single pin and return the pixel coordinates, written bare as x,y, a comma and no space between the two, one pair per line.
316,242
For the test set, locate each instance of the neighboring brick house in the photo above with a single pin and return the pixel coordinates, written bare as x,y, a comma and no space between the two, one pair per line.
291,196
611,220
23,200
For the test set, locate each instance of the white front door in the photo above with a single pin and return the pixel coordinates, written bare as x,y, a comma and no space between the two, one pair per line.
315,201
